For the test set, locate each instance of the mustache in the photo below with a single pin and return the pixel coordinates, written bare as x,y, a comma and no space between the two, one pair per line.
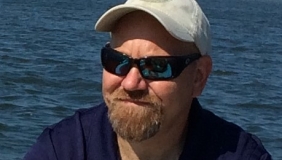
138,95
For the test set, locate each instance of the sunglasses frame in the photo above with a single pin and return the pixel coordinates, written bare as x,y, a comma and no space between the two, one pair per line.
177,63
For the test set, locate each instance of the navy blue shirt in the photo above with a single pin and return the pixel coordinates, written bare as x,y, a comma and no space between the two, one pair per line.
88,135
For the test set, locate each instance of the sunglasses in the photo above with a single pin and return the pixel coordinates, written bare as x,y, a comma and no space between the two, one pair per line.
151,67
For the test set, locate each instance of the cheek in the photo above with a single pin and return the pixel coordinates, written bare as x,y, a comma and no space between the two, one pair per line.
166,91
175,95
110,83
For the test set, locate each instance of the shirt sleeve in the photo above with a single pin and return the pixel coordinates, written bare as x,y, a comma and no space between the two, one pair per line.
62,141
255,149
265,156
43,148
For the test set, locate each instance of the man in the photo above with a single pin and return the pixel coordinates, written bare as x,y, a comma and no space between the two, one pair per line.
155,66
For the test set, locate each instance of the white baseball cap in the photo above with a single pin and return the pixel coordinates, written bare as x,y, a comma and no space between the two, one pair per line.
183,19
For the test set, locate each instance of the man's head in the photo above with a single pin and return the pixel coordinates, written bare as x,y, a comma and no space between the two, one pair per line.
144,96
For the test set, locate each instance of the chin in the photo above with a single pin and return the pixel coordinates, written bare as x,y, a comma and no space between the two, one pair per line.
134,122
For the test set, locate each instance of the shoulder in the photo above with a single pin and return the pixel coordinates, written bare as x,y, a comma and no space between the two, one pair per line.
219,139
82,117
231,140
79,122
70,135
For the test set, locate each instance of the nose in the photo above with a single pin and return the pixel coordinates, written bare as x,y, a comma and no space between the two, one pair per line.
134,81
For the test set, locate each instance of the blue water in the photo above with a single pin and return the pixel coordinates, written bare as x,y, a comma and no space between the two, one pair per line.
49,66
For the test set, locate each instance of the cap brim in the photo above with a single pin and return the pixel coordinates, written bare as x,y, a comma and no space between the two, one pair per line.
108,20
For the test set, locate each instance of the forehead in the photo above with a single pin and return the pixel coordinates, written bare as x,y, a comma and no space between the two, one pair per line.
142,26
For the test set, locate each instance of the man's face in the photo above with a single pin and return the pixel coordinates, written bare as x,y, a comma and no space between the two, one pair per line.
140,108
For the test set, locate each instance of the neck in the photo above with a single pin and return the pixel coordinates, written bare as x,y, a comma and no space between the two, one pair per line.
165,145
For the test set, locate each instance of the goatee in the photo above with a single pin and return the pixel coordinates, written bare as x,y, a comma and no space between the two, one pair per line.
134,121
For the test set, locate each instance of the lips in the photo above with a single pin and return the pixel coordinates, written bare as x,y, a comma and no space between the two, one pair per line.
138,102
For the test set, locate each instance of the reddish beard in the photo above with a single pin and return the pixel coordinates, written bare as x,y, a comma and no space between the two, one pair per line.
134,121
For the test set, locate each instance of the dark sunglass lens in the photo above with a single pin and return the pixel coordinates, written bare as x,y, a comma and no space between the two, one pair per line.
114,62
155,68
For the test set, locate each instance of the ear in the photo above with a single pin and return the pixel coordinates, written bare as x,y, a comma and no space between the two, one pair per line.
203,70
